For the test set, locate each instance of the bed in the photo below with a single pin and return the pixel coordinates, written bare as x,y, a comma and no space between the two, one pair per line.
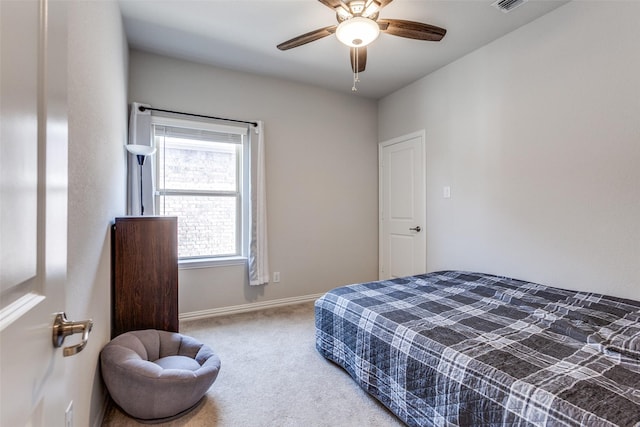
460,348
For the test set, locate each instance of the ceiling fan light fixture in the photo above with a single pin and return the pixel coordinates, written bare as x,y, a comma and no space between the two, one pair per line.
371,9
357,31
342,13
357,6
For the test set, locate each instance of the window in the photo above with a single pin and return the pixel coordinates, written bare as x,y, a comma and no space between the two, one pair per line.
201,177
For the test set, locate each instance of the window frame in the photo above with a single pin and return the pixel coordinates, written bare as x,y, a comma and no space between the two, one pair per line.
243,163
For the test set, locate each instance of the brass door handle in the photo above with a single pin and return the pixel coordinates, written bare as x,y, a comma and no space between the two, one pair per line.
62,328
416,229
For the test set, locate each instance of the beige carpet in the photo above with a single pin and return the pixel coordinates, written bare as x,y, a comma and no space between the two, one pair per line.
272,375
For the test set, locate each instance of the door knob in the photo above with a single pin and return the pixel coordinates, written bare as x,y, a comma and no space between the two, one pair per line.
416,229
62,328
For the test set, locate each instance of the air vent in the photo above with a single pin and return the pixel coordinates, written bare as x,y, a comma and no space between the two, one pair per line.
507,5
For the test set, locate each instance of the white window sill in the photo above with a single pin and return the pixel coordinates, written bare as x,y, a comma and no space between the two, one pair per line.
187,264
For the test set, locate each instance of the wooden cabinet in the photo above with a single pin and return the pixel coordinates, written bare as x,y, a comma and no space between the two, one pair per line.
145,274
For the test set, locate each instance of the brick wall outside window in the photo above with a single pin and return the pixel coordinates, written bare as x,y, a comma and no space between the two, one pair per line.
206,224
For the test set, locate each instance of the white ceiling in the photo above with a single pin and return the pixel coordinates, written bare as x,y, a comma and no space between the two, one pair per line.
243,34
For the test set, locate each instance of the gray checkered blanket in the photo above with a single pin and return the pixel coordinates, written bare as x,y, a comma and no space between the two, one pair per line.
457,348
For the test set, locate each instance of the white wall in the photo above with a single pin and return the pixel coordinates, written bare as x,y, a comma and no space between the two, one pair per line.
321,155
97,79
538,135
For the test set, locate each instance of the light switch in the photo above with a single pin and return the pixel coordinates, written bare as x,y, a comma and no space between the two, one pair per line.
446,192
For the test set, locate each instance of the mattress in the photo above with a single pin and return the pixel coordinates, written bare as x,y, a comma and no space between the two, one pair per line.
470,349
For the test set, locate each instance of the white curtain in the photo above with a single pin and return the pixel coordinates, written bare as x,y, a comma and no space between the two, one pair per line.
140,134
258,254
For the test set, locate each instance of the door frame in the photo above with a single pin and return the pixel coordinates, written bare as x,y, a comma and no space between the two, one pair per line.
381,146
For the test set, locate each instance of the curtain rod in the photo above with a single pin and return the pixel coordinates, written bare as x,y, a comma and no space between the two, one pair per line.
141,108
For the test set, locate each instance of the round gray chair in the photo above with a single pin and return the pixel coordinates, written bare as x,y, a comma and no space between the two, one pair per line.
156,375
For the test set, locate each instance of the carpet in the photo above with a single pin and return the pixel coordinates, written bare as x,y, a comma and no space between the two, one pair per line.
271,375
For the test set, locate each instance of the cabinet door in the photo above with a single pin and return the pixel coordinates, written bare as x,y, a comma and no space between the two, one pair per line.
145,289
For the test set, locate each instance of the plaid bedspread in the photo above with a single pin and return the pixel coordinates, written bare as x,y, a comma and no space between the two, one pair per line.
469,349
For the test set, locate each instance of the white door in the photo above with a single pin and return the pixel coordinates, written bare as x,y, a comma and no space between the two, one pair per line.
402,192
33,210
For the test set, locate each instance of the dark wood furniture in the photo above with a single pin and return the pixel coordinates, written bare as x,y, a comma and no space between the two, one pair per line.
145,274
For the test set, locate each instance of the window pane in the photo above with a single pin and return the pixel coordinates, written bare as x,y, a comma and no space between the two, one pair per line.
187,164
206,224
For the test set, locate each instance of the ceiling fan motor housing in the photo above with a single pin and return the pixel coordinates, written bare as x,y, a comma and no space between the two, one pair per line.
367,9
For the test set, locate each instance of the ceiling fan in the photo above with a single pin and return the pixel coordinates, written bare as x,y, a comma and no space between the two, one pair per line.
358,25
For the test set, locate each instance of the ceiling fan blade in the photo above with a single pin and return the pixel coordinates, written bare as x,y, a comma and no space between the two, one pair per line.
383,3
307,38
362,59
412,30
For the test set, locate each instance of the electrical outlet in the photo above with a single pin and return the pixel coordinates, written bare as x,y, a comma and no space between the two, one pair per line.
276,277
68,415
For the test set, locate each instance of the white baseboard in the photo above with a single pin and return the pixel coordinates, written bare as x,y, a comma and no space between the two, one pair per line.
102,412
244,308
